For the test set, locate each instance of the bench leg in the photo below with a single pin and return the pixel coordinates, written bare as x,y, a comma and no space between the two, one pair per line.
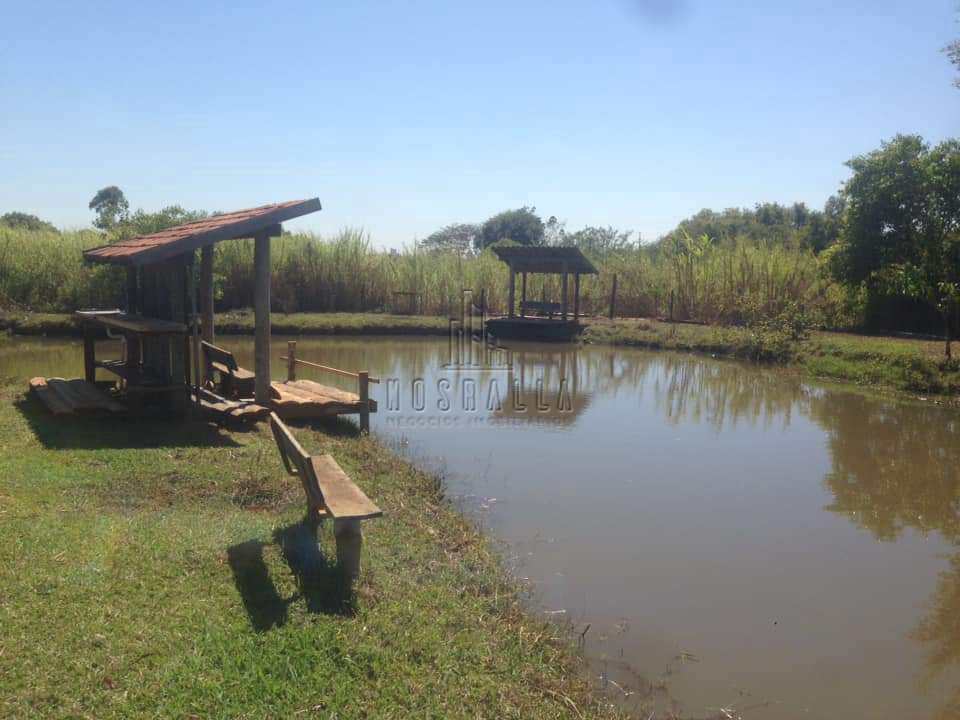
349,543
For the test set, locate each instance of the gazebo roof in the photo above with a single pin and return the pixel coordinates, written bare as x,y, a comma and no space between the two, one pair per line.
163,245
545,259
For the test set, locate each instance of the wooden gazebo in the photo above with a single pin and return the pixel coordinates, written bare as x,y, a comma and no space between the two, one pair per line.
160,287
541,320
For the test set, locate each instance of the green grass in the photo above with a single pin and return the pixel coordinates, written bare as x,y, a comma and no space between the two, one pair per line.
160,570
906,365
241,322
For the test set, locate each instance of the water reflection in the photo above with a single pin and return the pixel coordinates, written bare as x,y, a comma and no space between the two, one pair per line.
894,465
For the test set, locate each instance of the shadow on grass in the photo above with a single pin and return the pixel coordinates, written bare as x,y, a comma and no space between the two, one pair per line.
320,582
335,426
72,432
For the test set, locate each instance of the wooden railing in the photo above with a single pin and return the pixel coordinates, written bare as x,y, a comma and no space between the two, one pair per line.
362,377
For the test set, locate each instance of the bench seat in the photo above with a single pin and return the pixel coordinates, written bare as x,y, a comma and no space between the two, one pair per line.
342,499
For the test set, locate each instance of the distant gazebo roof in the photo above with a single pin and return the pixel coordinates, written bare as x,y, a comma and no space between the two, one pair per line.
166,244
545,259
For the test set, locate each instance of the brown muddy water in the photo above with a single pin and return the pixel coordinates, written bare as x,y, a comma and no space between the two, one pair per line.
729,541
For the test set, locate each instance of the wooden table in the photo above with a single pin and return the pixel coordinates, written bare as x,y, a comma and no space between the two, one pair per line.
132,373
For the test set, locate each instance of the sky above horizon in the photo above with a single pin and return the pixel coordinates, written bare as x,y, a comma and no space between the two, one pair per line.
403,117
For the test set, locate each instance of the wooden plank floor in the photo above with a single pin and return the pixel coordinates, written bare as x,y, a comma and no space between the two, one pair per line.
68,397
309,399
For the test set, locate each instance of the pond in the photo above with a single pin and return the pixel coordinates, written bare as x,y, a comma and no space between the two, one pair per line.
724,537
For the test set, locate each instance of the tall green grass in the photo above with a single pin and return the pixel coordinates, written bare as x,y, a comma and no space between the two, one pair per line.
692,279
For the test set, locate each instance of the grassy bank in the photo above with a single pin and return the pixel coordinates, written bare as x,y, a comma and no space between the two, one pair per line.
162,571
906,365
242,323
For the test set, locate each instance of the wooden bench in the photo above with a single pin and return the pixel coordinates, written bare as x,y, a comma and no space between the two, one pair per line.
544,308
235,381
330,492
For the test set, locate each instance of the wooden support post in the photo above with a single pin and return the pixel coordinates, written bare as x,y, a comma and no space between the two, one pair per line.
513,291
523,294
576,296
363,381
132,290
194,351
261,308
206,292
563,302
613,297
89,354
132,342
291,360
349,538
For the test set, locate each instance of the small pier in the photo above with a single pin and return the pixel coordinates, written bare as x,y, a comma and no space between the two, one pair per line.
292,399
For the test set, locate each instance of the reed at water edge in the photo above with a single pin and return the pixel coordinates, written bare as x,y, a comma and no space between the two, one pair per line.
694,279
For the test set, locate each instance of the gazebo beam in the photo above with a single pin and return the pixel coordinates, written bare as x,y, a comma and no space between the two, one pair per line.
576,295
206,292
523,294
563,284
261,308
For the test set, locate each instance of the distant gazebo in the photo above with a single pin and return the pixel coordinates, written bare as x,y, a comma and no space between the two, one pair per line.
541,320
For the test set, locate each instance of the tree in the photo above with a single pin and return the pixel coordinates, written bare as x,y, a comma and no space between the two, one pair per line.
523,226
600,241
144,223
902,227
953,52
25,221
458,237
111,207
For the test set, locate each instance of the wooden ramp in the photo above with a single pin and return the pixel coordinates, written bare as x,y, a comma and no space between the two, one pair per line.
69,397
221,408
308,399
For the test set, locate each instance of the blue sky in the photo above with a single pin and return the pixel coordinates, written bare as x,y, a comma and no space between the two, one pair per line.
405,116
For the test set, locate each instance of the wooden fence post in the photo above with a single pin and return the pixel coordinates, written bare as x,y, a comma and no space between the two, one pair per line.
291,360
89,354
261,309
613,297
363,380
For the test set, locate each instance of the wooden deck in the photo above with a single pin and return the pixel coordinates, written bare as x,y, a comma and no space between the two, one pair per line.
70,397
291,400
308,399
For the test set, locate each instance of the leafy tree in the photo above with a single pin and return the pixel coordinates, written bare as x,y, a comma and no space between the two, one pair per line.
523,226
25,221
111,207
600,241
953,52
823,228
770,223
144,223
458,237
902,227
554,232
